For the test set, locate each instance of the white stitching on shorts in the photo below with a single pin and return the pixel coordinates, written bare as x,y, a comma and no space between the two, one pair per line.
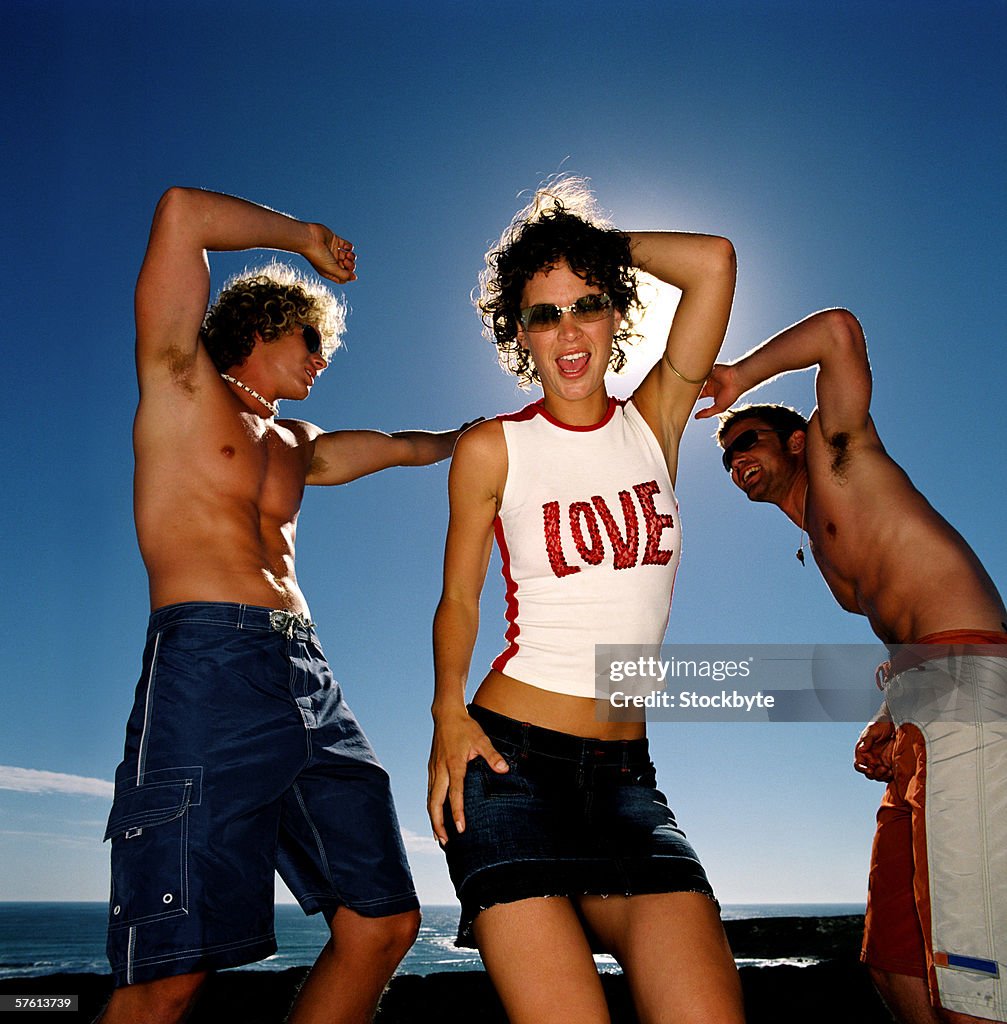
130,954
315,833
142,752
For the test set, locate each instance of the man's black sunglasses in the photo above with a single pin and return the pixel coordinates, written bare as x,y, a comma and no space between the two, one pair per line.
312,339
746,441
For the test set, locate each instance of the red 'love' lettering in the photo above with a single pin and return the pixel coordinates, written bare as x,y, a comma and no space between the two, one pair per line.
585,529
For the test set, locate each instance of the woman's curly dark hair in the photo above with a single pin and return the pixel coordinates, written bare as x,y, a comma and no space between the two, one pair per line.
269,301
561,223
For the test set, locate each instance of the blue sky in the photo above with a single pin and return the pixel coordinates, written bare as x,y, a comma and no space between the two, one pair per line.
854,154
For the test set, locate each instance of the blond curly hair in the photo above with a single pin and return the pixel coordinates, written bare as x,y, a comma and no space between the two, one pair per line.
267,302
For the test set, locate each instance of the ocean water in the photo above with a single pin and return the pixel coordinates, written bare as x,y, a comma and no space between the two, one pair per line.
51,938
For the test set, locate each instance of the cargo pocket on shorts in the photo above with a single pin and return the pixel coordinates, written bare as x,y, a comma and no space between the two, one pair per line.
149,829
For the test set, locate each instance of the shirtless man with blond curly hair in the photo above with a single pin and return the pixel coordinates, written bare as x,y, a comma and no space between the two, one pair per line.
241,756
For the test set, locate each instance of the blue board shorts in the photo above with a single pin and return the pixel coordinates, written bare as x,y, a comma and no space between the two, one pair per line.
241,759
573,816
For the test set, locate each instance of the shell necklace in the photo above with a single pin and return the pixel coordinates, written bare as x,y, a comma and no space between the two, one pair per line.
273,407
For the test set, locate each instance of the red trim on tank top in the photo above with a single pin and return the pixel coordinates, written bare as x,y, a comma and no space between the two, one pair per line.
538,409
511,612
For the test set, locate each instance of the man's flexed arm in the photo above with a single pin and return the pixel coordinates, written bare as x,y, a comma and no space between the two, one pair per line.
832,340
174,283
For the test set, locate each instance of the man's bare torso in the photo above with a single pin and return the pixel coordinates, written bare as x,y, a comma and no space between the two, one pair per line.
216,495
883,549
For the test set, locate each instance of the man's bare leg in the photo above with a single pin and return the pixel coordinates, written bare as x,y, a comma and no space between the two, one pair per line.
352,970
165,1001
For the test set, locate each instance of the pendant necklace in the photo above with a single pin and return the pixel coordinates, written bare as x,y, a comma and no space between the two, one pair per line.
804,513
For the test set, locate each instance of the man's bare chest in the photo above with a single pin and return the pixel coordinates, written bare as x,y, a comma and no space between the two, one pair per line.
252,465
841,546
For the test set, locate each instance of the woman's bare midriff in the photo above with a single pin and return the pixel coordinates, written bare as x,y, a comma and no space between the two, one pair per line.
578,716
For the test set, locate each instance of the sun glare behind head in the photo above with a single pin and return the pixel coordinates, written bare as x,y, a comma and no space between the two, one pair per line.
659,301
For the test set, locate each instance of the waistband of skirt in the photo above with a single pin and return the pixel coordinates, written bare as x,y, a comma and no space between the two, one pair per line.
934,646
235,616
533,739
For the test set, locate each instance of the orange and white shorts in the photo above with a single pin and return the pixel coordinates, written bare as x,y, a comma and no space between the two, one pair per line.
937,903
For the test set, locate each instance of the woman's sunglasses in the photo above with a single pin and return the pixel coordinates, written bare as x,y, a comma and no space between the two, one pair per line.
545,316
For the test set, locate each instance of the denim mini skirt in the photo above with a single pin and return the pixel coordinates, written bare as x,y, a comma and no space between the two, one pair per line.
573,816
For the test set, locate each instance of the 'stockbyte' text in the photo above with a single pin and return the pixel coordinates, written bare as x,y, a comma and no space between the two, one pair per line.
692,699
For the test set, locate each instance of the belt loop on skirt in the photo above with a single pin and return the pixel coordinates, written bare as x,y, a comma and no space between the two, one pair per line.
582,761
525,740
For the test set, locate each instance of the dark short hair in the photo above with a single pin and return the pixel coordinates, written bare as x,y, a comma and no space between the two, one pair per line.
778,417
560,224
269,302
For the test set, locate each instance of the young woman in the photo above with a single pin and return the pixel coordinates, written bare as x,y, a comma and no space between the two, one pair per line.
557,839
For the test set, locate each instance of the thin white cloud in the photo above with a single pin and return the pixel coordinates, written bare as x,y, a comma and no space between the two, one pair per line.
416,842
78,842
29,780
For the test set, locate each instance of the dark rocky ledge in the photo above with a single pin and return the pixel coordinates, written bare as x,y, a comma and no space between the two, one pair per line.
835,991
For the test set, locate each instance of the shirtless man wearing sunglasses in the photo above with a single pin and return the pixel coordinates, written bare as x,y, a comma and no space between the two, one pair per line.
936,935
241,756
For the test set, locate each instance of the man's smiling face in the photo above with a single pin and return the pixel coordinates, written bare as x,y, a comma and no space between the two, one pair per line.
762,463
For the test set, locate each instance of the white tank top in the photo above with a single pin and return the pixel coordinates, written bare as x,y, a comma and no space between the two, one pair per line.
589,535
